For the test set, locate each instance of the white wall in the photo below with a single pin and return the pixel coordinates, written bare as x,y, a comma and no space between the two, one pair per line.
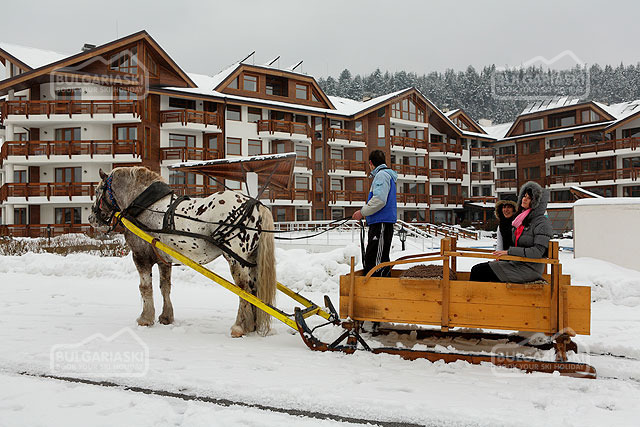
608,229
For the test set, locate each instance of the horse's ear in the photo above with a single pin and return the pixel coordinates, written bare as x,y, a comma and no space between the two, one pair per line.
102,174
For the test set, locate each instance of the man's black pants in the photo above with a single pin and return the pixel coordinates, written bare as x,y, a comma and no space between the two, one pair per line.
378,247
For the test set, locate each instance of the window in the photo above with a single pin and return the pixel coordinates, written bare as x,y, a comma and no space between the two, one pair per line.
125,61
531,147
302,183
317,127
70,134
358,126
255,147
233,185
178,140
181,178
276,86
123,93
381,136
20,216
14,70
254,114
299,118
631,133
126,133
319,186
152,65
211,142
590,116
302,215
250,83
597,165
314,96
435,138
531,173
357,155
360,185
20,176
631,162
22,136
234,146
633,191
276,115
336,184
335,124
234,113
381,112
68,216
302,91
71,174
533,125
561,196
337,213
562,169
336,153
233,84
68,94
189,104
561,120
281,214
407,110
278,147
437,190
147,143
560,142
302,151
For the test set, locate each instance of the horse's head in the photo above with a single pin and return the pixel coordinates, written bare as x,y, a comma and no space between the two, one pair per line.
104,206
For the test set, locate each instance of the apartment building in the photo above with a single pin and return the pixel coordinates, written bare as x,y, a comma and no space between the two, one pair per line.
127,102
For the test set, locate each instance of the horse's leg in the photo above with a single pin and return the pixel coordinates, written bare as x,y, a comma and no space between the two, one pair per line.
166,318
144,267
245,320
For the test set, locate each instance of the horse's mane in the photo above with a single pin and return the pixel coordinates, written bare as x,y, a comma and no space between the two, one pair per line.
140,174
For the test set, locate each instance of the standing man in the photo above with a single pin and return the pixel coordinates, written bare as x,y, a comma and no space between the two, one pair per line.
381,212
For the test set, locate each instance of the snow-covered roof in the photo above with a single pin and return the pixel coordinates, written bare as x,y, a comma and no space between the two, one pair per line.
549,104
588,193
621,110
567,129
498,131
228,160
452,112
31,56
609,201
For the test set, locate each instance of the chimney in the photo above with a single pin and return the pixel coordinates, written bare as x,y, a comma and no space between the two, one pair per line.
365,98
485,122
88,46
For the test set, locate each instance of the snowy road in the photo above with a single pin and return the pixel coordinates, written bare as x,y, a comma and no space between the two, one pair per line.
48,301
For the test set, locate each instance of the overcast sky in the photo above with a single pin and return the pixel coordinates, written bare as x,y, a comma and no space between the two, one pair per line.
331,35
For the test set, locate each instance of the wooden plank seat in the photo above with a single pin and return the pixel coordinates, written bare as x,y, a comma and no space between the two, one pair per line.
555,307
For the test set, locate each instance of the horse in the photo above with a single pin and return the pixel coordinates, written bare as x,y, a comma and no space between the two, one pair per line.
247,248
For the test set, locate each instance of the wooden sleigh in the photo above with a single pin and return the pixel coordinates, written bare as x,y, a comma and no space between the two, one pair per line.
555,308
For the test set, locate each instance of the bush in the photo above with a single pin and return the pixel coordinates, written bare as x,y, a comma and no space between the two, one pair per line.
64,245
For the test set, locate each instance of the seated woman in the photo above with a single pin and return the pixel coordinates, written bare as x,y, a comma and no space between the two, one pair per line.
505,210
531,232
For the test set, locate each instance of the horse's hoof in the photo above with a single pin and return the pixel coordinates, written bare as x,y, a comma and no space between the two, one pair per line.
145,322
165,319
237,331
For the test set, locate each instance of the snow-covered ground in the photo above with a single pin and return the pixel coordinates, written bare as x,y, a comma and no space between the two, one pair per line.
48,302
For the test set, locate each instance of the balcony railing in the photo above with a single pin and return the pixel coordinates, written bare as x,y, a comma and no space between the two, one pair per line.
48,190
406,142
272,126
412,198
446,200
446,173
595,176
70,148
445,147
304,162
347,165
193,190
482,152
506,183
346,134
347,196
294,194
186,116
481,199
481,176
593,147
505,158
410,170
44,230
70,107
184,154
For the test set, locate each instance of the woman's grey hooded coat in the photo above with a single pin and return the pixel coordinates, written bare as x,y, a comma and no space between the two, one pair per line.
533,242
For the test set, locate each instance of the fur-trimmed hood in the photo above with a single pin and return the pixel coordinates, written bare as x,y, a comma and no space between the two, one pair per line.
538,201
500,204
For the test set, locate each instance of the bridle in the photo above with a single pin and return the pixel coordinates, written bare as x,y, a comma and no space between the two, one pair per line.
107,199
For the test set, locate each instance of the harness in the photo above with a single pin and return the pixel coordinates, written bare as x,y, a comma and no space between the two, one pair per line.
220,237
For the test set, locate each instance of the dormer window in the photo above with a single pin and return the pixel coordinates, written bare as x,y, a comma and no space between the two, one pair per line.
302,91
589,116
276,86
250,83
233,84
562,120
125,61
533,125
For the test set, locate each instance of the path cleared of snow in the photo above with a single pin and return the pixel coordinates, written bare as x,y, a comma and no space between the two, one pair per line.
48,300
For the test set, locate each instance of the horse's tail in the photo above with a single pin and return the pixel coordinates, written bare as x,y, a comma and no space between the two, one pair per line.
267,281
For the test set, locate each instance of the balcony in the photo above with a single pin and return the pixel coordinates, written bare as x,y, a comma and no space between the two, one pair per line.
194,190
347,165
70,108
43,150
407,198
408,143
410,170
183,154
297,194
481,176
505,158
197,120
281,129
482,152
614,175
345,137
445,200
445,174
44,230
336,196
445,148
48,190
481,199
594,147
506,183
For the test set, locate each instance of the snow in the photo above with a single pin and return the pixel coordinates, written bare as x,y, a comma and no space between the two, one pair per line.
33,57
550,104
608,201
498,131
228,160
588,193
47,300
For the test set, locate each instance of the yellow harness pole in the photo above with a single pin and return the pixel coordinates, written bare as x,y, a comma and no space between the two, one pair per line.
278,314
